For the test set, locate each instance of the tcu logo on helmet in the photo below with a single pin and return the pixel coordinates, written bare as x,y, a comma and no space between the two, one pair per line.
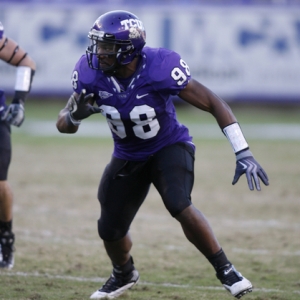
132,23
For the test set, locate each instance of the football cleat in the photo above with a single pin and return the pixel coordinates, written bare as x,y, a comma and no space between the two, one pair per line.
234,282
116,285
7,240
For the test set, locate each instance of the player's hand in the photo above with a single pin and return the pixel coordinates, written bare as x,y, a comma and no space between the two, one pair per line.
246,163
14,114
80,108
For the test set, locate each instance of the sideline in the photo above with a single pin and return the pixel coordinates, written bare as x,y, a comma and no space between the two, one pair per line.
275,131
102,280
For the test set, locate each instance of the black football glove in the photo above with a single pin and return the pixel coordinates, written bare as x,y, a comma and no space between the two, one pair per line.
245,163
14,114
80,108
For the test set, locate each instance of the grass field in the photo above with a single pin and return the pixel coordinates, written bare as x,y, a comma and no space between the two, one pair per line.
60,256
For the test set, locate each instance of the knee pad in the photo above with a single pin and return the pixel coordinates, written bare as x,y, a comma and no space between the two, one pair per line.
109,233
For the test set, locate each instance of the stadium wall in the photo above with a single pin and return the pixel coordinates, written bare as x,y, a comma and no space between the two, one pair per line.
243,53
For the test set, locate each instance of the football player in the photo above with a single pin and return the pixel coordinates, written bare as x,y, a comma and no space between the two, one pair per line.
12,114
131,85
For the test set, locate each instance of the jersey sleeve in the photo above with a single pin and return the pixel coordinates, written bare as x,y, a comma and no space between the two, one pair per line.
169,72
82,76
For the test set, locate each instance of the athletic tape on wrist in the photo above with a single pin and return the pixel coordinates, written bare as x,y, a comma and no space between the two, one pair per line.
235,136
23,79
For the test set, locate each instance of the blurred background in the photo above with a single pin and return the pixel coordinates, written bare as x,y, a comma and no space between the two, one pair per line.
243,50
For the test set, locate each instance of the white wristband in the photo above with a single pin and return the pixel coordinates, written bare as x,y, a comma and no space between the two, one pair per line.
235,136
23,79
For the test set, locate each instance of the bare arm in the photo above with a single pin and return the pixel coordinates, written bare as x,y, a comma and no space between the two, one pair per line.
201,97
79,107
64,124
14,54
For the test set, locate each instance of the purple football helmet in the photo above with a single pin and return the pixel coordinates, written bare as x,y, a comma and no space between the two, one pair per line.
123,32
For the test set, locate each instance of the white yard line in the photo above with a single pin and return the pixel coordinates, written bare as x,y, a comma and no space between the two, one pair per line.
209,131
102,280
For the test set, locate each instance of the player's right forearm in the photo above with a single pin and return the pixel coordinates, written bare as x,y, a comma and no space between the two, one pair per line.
64,124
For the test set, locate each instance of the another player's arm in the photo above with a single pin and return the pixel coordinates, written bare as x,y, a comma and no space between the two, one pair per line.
14,55
201,97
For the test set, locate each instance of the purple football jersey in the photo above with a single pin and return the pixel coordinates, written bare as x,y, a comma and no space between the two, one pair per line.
139,110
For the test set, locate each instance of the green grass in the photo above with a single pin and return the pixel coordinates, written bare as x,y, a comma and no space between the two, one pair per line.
60,256
48,109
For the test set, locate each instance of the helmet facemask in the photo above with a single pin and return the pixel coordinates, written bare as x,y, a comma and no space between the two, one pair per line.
103,48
